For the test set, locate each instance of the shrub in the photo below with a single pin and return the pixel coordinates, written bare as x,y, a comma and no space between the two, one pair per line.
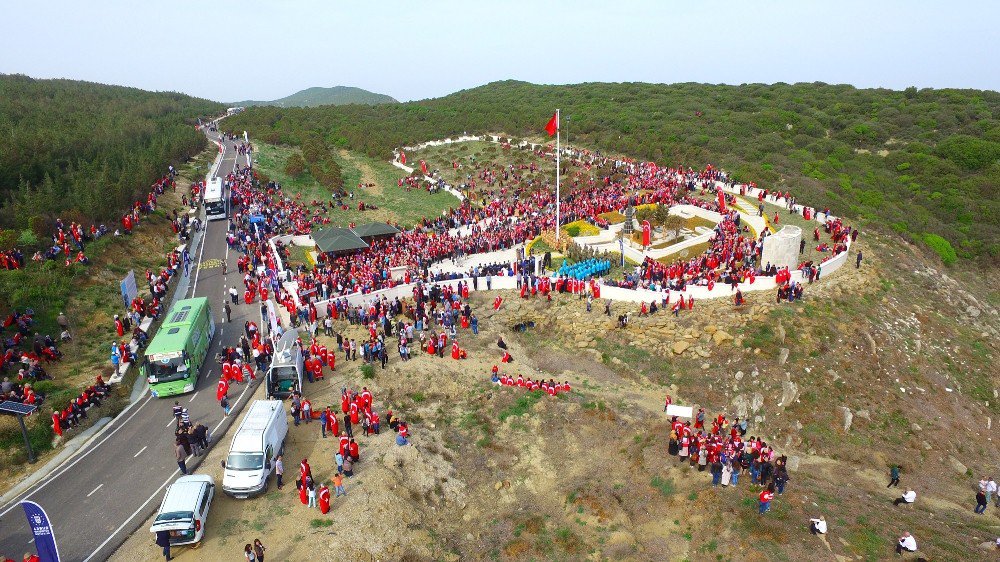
368,371
665,486
942,247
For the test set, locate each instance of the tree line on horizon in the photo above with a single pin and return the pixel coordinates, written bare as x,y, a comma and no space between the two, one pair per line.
86,151
924,163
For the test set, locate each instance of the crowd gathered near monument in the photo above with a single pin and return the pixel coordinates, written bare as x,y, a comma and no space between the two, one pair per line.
510,212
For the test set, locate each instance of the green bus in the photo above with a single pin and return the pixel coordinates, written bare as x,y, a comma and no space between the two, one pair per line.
179,349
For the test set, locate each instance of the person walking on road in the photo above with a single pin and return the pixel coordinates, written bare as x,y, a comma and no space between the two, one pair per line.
258,549
228,310
234,295
225,405
163,541
181,455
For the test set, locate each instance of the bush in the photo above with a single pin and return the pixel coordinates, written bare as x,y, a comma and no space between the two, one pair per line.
368,371
942,247
665,486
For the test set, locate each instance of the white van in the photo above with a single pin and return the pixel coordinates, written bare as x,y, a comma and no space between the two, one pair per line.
285,374
258,440
185,509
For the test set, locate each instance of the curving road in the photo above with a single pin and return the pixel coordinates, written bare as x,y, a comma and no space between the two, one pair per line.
100,496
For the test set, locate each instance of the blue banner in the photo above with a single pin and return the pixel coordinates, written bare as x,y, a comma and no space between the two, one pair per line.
41,529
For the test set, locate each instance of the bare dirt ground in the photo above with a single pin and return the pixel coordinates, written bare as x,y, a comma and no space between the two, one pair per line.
496,473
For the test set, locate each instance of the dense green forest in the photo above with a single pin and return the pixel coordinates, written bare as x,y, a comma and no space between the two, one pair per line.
85,150
925,163
313,97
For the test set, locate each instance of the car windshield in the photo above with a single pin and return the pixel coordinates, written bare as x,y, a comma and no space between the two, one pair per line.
172,370
174,516
215,207
245,461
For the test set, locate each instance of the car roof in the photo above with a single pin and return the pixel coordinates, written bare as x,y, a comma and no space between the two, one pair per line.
183,494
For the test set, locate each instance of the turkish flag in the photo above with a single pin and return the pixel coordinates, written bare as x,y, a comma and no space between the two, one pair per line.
553,125
645,233
402,157
423,167
722,201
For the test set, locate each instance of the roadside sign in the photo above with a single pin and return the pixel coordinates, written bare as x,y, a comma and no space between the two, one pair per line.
129,290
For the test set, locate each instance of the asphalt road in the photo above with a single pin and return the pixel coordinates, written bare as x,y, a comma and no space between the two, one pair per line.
100,496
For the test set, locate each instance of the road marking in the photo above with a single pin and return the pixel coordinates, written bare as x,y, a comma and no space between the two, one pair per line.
173,421
232,407
31,541
193,395
134,513
140,451
60,471
99,486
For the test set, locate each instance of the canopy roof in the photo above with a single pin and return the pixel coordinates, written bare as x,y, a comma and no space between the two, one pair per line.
374,229
337,240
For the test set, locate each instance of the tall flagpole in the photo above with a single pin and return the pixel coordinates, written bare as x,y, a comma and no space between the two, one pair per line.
558,126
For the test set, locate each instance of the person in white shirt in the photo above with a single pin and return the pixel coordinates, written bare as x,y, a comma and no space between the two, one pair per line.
909,496
818,526
907,543
991,488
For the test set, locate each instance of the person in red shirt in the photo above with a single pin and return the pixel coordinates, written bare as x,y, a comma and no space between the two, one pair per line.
765,499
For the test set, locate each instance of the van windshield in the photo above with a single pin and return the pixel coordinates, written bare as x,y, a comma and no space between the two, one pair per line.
284,373
245,461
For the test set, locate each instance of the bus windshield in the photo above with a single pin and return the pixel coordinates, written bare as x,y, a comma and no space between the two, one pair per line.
173,369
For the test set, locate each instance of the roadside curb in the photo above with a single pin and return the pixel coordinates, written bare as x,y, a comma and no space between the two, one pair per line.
68,451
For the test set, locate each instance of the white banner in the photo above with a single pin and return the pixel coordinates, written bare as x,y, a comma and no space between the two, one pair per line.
680,411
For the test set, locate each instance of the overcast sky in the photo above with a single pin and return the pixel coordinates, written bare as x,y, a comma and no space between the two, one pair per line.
252,49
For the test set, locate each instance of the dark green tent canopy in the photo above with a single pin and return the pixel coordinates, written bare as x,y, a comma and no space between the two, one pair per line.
375,229
337,240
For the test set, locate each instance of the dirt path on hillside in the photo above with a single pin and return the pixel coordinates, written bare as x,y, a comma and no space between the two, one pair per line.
367,174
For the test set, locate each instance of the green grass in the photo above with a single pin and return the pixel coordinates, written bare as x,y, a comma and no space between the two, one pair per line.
367,371
664,485
394,203
318,523
521,405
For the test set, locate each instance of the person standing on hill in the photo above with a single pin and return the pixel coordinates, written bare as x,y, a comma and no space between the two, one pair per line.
893,476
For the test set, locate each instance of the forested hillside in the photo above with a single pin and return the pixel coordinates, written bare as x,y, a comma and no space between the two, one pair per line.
925,163
337,95
86,150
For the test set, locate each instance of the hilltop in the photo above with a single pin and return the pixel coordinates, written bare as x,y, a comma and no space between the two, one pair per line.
317,96
920,163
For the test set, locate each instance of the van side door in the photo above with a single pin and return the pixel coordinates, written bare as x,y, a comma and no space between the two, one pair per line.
268,458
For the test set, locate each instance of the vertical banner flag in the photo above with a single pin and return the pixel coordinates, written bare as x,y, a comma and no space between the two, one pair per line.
41,529
423,167
645,233
129,289
722,201
402,157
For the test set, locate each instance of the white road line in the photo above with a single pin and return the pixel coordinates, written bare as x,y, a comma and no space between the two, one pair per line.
32,540
134,513
99,486
201,252
172,421
193,395
233,407
59,472
140,451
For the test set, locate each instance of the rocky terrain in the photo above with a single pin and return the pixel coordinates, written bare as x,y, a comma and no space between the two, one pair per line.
889,363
